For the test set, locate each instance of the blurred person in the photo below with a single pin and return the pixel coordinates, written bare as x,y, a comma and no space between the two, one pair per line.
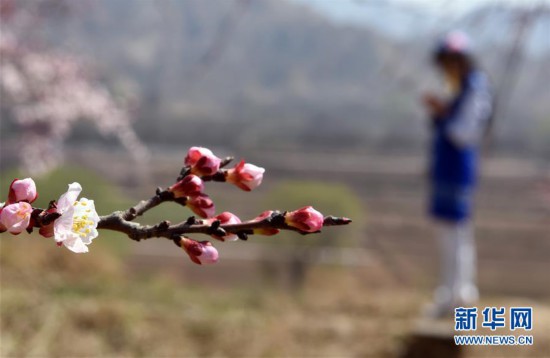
458,125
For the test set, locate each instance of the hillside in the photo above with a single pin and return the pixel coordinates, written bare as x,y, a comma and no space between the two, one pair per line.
277,73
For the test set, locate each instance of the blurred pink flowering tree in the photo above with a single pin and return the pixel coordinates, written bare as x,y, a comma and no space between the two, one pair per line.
74,222
46,92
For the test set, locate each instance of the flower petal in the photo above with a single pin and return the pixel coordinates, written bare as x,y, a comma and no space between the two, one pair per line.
63,226
66,200
76,245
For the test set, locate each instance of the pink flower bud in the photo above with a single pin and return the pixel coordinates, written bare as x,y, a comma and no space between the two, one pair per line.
16,217
199,252
201,205
267,231
22,190
202,161
225,218
305,219
191,185
246,176
2,227
263,215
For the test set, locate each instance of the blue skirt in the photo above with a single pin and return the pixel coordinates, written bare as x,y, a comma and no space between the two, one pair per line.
451,202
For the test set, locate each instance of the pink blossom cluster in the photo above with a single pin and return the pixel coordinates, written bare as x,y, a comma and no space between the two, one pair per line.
200,163
15,213
72,223
47,92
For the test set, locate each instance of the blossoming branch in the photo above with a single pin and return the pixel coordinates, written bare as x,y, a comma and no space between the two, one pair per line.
75,223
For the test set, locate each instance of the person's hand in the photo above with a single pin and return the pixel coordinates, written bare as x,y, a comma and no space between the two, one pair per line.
435,105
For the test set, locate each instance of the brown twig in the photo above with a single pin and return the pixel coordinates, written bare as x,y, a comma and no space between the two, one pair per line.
164,229
122,221
145,205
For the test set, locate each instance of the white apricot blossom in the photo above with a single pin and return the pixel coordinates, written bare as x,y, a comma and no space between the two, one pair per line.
77,225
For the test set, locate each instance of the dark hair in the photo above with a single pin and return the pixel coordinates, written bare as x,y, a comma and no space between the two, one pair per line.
465,60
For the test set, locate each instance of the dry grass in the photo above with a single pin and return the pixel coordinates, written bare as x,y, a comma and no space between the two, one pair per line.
55,303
